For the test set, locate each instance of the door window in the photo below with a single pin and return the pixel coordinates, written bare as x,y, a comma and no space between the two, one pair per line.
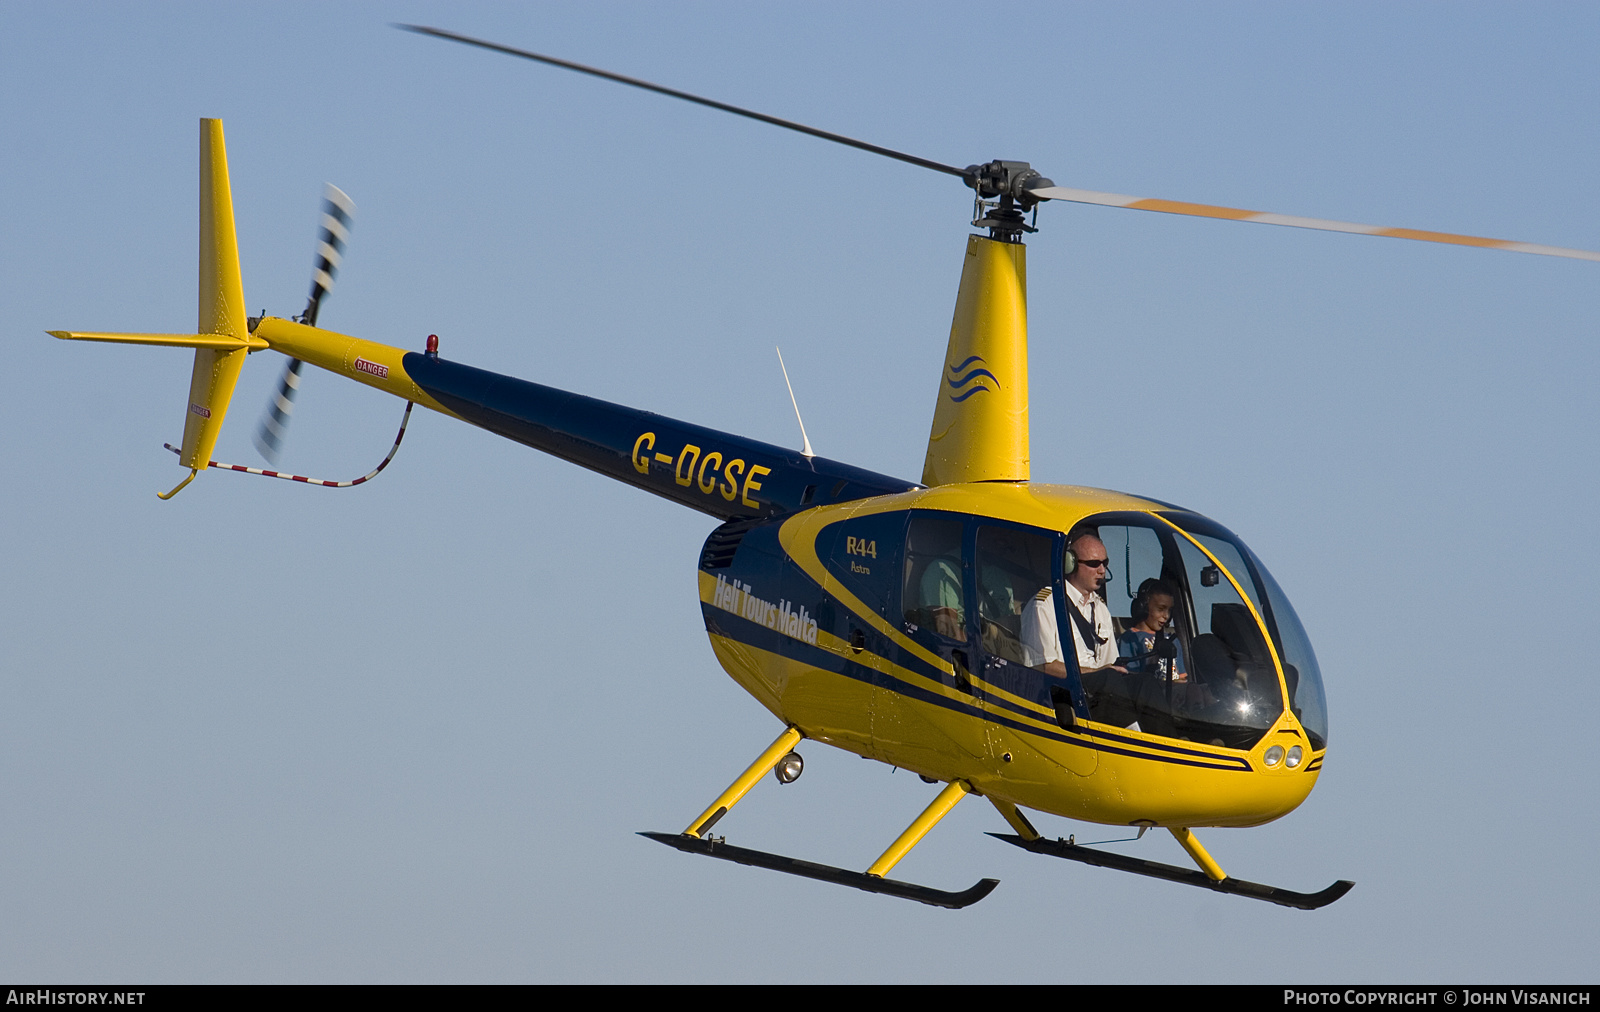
935,576
1013,569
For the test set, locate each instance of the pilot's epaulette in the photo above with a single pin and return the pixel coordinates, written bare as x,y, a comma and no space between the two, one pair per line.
1043,595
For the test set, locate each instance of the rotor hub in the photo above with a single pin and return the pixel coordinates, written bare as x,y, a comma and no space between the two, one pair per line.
1004,193
1006,179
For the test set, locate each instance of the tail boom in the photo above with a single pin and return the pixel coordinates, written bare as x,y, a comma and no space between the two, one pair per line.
718,473
377,365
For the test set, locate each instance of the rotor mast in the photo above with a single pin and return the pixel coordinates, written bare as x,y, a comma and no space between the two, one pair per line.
980,415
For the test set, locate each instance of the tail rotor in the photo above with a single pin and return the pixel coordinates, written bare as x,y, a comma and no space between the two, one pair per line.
338,212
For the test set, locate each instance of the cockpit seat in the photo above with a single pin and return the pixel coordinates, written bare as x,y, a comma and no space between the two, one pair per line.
1213,661
1236,628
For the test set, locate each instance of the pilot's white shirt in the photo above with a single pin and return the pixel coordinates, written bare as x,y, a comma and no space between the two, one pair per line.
1041,639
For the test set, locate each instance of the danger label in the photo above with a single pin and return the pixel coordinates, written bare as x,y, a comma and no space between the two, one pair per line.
372,368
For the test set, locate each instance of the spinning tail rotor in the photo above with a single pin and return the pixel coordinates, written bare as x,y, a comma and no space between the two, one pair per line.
224,335
338,212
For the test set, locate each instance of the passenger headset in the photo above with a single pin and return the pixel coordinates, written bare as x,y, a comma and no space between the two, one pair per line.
1139,609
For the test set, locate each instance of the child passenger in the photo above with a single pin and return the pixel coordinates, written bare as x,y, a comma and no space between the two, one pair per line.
1151,612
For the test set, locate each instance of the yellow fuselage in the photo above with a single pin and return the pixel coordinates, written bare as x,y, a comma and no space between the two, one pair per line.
1003,745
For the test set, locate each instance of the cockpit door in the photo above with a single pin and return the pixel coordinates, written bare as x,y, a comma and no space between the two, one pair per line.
921,722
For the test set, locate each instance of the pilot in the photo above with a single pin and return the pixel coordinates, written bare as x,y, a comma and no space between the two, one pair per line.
1092,634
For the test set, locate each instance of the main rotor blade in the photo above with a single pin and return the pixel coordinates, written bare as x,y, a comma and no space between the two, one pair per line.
674,93
1321,224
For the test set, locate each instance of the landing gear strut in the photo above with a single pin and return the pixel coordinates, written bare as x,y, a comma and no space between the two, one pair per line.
694,839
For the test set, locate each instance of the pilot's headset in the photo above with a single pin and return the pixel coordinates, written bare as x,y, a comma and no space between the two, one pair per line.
1069,559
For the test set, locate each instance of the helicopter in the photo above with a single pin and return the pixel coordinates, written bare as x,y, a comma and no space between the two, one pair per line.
812,587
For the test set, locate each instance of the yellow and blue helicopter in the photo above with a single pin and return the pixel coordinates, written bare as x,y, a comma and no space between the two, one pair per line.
953,626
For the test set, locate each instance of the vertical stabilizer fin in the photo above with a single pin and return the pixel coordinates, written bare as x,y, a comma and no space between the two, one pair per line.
222,308
980,423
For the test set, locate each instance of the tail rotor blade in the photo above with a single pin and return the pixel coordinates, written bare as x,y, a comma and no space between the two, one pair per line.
275,424
338,211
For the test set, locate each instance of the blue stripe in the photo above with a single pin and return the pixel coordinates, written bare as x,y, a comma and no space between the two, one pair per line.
717,621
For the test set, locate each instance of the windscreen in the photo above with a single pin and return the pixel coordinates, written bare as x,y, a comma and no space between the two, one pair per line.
1301,672
1193,656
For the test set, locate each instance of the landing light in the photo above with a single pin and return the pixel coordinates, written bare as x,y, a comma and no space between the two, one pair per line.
1274,755
1293,761
789,768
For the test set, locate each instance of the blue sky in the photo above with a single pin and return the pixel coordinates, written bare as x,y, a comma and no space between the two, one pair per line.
406,732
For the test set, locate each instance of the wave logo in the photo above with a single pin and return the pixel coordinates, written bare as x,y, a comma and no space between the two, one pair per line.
973,382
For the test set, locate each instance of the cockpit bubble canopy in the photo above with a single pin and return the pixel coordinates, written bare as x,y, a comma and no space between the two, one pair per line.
1207,674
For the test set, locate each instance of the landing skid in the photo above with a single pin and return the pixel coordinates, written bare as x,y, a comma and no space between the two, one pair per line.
1121,862
825,873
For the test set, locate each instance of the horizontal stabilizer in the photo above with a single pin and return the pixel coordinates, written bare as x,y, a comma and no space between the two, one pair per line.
225,342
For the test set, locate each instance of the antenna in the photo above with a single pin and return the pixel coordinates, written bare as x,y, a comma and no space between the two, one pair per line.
803,437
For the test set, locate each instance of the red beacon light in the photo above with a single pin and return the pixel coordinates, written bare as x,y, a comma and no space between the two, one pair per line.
433,345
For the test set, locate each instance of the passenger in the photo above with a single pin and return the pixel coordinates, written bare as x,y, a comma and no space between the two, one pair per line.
999,598
1000,613
1089,615
1152,610
941,598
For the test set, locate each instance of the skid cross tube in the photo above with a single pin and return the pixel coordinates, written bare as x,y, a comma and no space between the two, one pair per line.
1014,816
1190,843
740,787
872,880
953,792
1121,862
